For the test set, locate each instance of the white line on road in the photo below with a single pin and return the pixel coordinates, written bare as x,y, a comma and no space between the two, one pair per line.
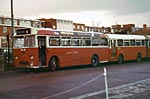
72,89
130,86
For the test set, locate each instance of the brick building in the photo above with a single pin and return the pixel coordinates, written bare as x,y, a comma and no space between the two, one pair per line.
122,29
57,24
78,27
143,31
5,27
128,27
98,29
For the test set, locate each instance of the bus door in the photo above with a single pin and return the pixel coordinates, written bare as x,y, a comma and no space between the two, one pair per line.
42,50
113,49
147,48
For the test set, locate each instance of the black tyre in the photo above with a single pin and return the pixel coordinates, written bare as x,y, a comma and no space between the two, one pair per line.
139,57
53,65
95,61
120,59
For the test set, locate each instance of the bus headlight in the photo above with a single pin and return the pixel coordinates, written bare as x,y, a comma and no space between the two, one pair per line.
31,57
31,64
16,57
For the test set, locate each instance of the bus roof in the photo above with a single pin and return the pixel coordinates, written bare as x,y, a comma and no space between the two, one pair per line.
147,36
122,36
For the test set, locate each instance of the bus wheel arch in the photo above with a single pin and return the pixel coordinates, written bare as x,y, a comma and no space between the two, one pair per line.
120,59
95,60
54,63
139,57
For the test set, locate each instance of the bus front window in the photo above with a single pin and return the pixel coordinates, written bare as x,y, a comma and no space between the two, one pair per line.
28,41
19,42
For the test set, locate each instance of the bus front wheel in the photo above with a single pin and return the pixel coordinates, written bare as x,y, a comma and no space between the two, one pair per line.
95,61
53,65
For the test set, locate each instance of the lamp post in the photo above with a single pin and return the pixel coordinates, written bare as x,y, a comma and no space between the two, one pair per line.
12,29
12,23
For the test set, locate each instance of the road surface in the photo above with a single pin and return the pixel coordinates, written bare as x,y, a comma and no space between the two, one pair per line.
130,80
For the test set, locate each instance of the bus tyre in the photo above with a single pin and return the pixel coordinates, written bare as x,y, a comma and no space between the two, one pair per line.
139,57
53,65
95,61
120,59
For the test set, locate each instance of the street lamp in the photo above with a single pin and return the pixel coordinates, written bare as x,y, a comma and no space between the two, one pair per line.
12,23
12,28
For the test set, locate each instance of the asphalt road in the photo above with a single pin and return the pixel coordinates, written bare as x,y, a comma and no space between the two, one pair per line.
130,80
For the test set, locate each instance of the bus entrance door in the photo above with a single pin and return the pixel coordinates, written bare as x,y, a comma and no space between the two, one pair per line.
42,50
113,50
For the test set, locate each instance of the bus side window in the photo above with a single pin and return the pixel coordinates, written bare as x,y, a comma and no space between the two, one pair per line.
54,41
76,42
66,41
126,43
120,42
86,41
103,42
138,43
132,42
143,42
95,41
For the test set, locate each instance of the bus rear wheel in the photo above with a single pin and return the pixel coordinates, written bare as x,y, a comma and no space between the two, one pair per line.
120,59
53,64
139,57
95,61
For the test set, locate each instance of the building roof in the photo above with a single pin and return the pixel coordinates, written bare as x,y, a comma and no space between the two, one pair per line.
142,32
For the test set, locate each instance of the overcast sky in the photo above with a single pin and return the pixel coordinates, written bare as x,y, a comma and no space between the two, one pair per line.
89,12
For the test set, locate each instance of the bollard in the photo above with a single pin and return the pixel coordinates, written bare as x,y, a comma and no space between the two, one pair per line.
106,83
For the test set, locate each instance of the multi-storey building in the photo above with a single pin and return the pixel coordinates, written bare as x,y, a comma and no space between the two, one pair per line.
128,27
98,29
122,29
78,27
58,24
142,31
5,27
116,28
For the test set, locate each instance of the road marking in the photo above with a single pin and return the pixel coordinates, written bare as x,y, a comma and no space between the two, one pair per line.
122,91
72,89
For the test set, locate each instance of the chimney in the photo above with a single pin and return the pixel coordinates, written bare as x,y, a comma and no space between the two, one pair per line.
144,26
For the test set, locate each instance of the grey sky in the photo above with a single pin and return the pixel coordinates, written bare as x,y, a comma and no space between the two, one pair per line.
122,11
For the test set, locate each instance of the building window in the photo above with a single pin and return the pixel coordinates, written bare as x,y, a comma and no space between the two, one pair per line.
0,20
15,22
82,27
4,29
74,27
7,21
78,27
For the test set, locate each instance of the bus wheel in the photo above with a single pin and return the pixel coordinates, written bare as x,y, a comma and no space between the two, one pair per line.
95,61
120,59
139,57
53,65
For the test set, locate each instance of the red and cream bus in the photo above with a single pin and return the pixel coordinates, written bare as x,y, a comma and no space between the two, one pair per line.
126,47
147,45
56,49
